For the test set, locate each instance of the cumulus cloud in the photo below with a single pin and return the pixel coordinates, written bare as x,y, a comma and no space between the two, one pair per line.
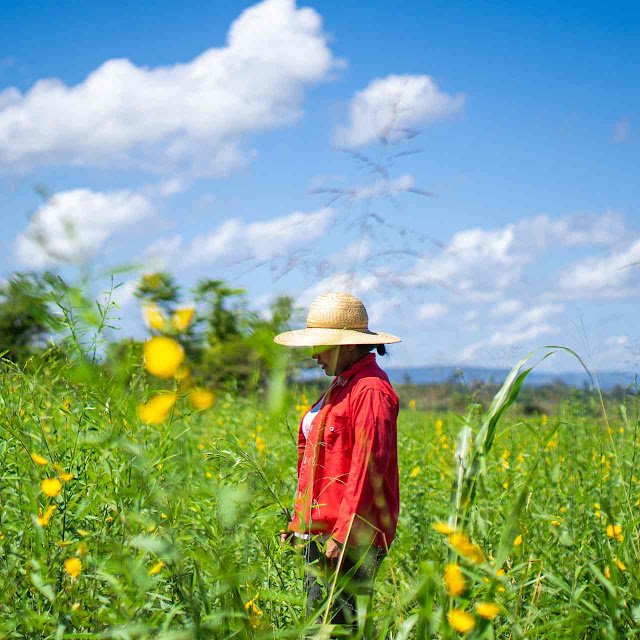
235,240
480,264
521,331
73,225
506,308
432,310
389,106
613,276
193,115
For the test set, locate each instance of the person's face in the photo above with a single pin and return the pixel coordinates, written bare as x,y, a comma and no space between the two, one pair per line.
333,360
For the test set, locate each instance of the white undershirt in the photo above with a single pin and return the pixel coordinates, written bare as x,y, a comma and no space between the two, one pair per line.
309,417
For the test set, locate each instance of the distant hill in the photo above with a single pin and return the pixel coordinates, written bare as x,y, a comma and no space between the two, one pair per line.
442,373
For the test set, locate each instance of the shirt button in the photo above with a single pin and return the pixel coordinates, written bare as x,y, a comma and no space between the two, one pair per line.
330,428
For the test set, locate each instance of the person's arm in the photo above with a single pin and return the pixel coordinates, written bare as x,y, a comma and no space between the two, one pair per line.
374,415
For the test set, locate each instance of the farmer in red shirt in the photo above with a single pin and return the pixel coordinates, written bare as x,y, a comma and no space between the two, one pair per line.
347,500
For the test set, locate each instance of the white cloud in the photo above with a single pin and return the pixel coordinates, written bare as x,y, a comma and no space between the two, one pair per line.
236,240
432,310
162,253
506,308
521,331
389,106
192,116
612,276
480,264
72,225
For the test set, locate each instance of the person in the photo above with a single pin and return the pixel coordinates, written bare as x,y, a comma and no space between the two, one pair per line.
347,500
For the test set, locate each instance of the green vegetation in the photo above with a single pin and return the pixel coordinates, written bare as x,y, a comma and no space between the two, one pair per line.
141,506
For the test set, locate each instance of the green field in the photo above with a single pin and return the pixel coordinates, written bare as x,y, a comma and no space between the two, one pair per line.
169,530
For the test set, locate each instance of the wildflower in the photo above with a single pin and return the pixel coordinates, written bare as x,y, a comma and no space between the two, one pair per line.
607,572
51,486
153,317
453,580
415,472
83,532
43,520
157,409
518,541
461,620
201,398
621,565
505,485
461,543
82,550
65,477
545,419
38,459
75,606
63,543
156,569
163,516
442,527
181,318
555,523
73,567
260,444
162,356
488,610
208,474
615,531
438,424
412,404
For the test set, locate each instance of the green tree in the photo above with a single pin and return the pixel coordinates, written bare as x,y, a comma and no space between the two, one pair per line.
25,316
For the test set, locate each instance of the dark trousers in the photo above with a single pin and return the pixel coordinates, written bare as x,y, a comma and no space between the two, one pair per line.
355,578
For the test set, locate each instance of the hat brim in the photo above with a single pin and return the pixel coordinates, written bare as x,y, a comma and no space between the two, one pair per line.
320,337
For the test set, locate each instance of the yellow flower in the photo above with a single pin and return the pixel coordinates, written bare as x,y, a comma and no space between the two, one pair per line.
63,543
555,523
156,569
65,477
75,606
607,572
181,318
442,527
415,472
73,567
38,459
488,610
153,317
201,398
461,620
438,424
453,580
162,356
157,409
621,565
43,520
518,541
51,486
615,531
461,543
82,550
545,419
83,532
412,404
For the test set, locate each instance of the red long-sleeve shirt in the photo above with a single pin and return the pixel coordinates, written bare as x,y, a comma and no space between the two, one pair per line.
348,465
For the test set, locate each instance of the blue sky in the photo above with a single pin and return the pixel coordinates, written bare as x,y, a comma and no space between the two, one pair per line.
197,137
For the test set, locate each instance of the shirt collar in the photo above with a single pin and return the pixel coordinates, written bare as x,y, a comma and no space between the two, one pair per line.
354,368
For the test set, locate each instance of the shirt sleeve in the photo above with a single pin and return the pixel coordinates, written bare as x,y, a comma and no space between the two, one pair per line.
374,416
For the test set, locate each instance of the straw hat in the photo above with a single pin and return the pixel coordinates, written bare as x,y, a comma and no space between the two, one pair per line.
333,319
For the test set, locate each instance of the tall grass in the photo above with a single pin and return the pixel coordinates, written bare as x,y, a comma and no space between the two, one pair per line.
172,528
